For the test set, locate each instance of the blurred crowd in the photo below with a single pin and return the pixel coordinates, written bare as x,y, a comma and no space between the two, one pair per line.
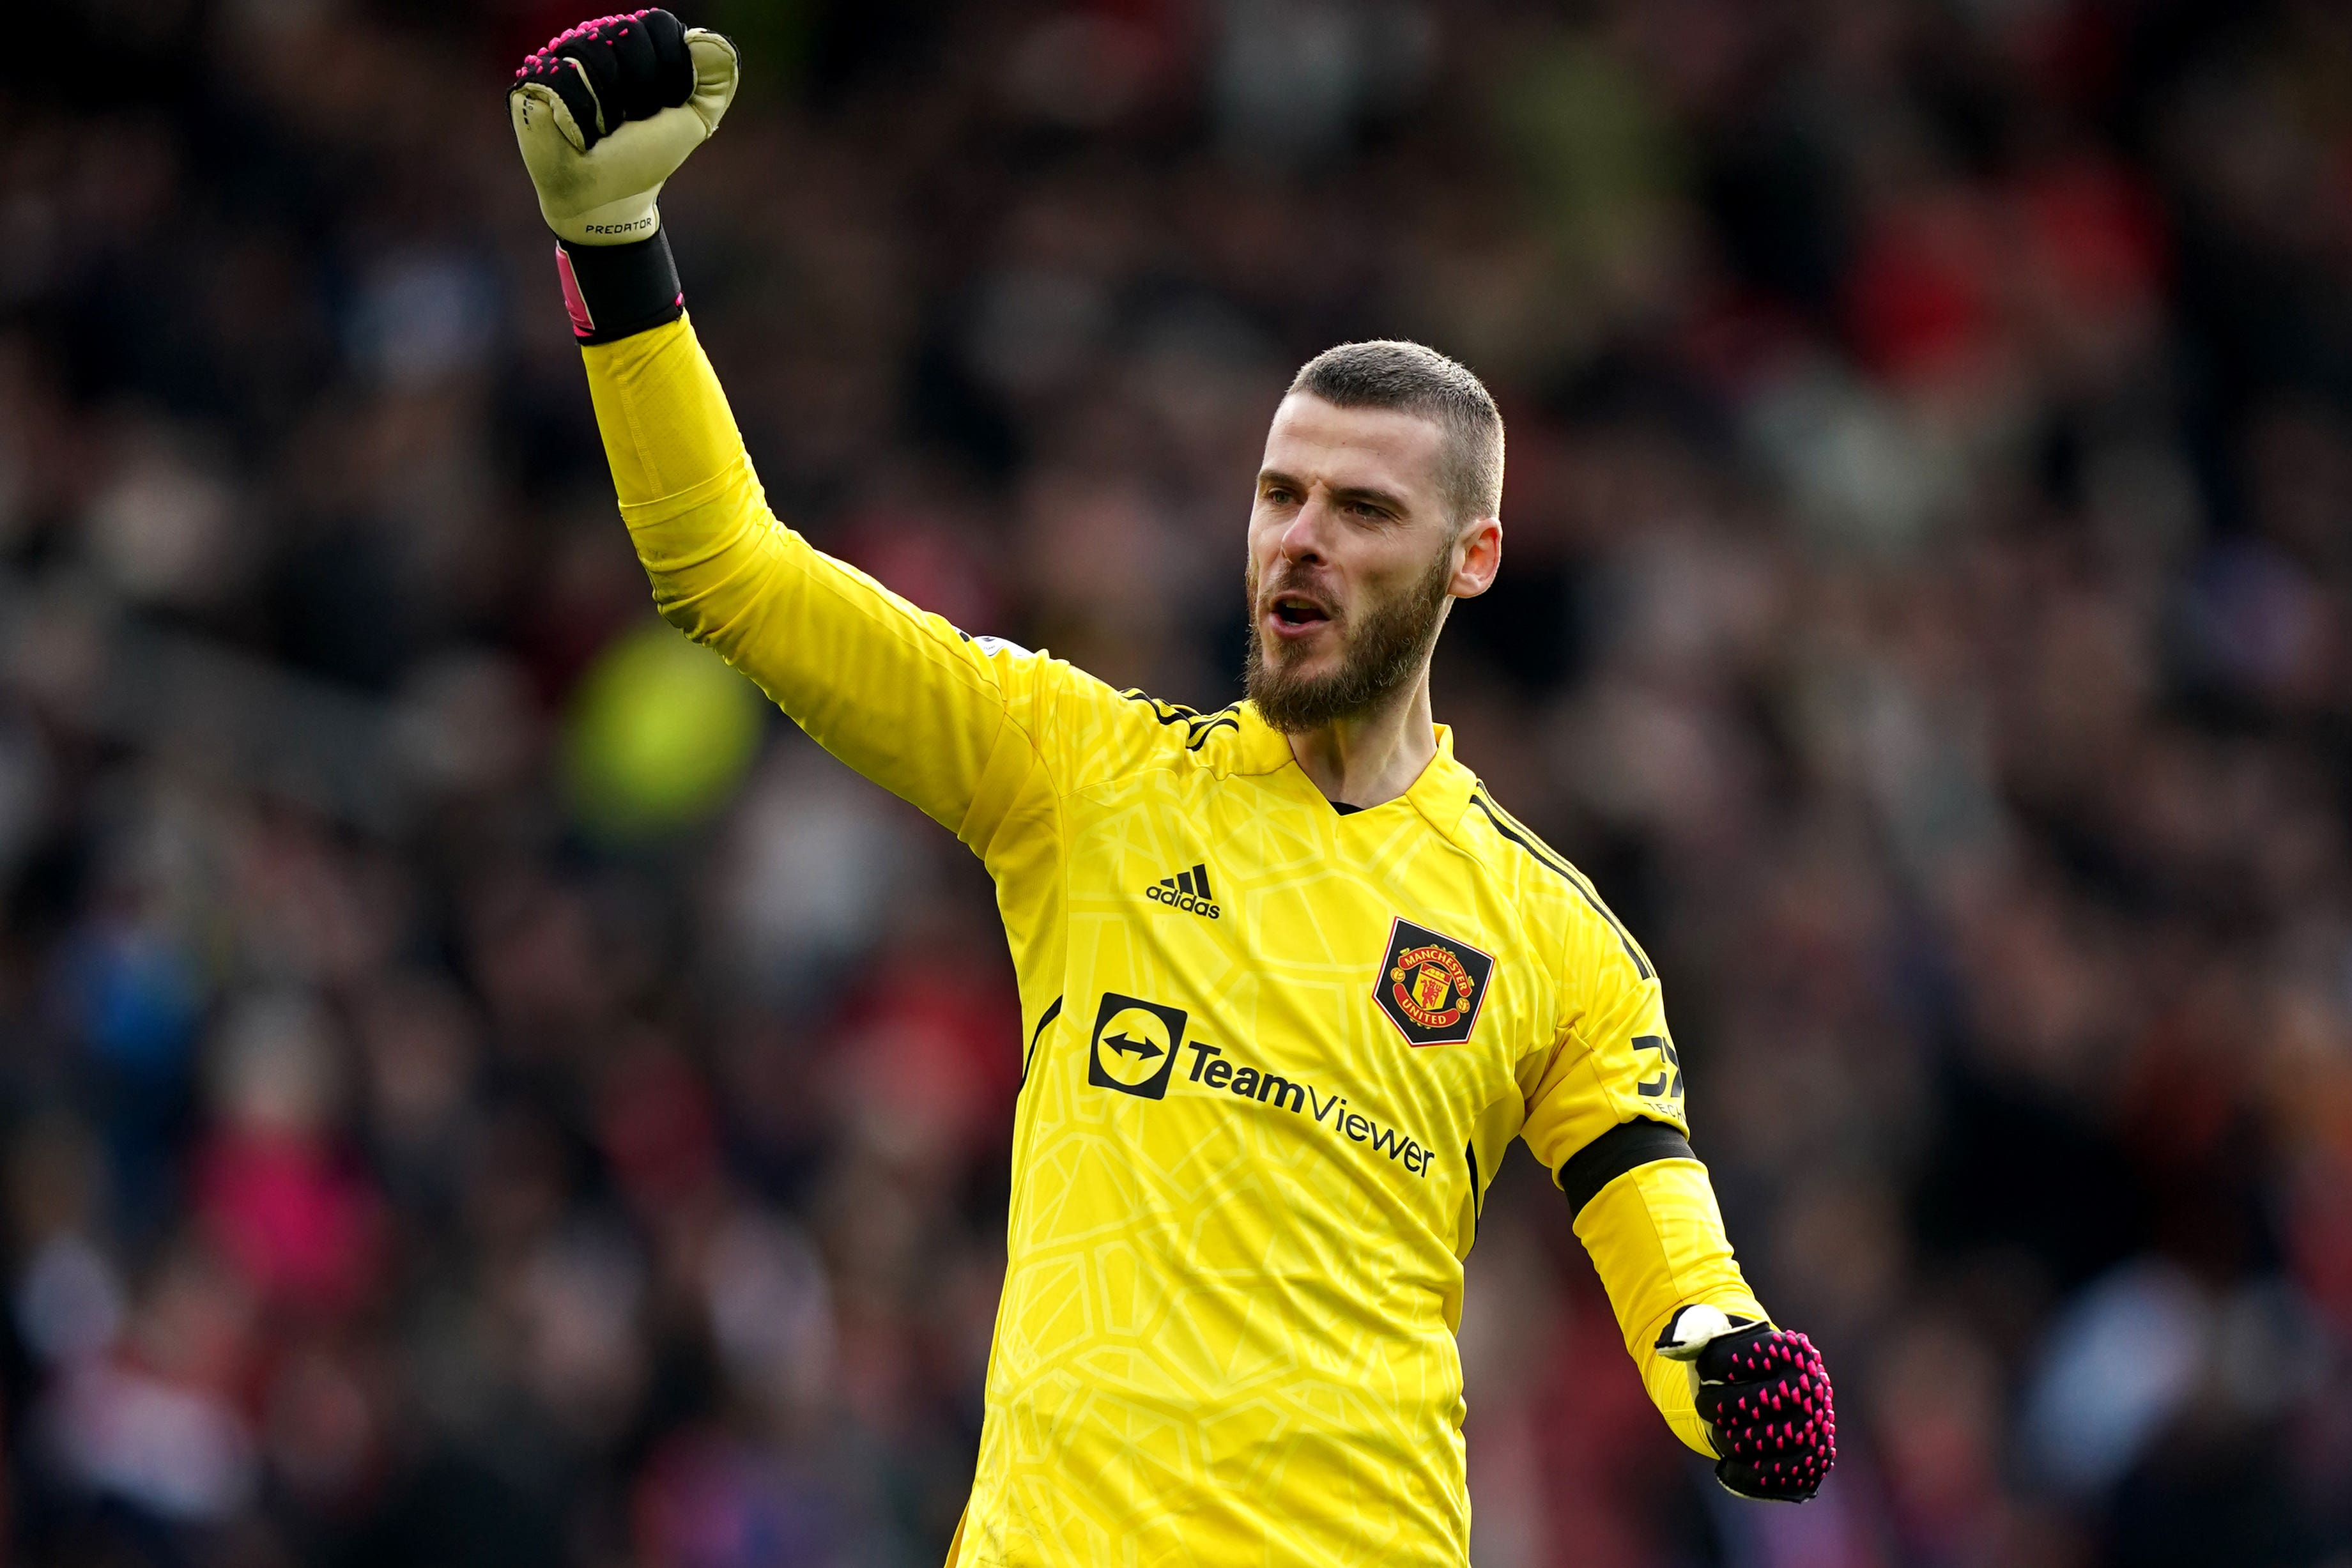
476,1088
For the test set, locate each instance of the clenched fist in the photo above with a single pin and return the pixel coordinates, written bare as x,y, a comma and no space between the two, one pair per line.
1765,1397
607,111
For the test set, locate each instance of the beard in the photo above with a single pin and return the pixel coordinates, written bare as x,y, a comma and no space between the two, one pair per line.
1377,659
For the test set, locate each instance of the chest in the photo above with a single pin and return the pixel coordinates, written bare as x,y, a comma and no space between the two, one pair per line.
1230,942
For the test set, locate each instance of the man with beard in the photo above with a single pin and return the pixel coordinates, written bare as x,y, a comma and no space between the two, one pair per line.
1291,978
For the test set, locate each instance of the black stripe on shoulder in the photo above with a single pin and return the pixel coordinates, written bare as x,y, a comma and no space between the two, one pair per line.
1508,826
1202,731
1551,856
1525,838
1166,712
1583,885
1037,1034
1629,1144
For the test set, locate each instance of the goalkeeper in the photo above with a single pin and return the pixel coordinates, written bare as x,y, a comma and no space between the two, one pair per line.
1291,978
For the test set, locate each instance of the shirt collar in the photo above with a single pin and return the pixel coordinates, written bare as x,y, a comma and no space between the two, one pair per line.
1441,793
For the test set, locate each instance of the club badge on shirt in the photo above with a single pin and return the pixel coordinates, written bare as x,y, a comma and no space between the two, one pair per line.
1431,985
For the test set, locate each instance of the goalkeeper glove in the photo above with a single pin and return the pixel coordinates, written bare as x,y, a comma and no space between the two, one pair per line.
604,114
1765,1397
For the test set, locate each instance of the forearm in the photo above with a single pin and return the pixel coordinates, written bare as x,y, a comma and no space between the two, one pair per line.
1657,1240
721,565
663,415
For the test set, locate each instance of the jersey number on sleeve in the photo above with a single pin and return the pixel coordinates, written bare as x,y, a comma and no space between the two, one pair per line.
1669,1081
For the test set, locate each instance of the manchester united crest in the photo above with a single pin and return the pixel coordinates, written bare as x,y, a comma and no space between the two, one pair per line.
1431,985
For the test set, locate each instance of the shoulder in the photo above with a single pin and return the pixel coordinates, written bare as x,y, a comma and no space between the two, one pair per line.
1096,734
1180,728
1058,698
1543,879
1222,742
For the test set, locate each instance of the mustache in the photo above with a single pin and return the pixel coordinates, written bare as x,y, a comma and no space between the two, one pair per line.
1290,583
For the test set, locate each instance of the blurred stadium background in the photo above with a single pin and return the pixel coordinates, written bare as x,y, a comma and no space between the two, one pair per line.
478,1089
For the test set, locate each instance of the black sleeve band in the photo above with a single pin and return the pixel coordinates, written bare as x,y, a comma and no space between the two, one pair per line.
1629,1144
618,290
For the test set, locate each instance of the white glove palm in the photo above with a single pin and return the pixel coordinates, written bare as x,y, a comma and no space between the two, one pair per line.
606,114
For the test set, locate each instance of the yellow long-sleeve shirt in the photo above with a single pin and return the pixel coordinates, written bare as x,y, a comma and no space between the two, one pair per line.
1274,1054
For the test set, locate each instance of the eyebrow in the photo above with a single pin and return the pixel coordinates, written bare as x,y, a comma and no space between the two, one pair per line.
1388,499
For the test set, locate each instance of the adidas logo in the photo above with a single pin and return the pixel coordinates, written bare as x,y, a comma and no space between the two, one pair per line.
1186,890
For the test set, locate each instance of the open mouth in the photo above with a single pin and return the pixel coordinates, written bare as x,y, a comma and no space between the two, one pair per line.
1297,612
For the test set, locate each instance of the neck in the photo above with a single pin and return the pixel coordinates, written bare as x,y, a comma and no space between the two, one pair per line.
1372,758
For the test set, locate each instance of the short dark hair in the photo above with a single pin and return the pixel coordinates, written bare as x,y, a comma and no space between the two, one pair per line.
1391,374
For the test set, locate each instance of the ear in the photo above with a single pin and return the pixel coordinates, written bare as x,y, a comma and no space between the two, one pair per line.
1478,556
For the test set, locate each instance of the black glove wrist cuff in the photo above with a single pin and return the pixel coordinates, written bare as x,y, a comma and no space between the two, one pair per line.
618,290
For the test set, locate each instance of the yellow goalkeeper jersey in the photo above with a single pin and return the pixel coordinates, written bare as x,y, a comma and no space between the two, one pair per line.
1273,1053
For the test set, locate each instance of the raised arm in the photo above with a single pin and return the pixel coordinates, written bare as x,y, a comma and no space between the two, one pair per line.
603,115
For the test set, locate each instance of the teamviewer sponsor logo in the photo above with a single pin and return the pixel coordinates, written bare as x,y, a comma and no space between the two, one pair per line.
1134,1052
1215,1071
1134,1045
1186,890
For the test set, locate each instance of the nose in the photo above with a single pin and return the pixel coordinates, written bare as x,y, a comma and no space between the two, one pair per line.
1306,541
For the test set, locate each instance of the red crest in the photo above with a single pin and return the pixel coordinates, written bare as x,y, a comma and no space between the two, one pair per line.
1431,985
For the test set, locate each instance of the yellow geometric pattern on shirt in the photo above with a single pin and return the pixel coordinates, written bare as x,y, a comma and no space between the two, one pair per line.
1227,1328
